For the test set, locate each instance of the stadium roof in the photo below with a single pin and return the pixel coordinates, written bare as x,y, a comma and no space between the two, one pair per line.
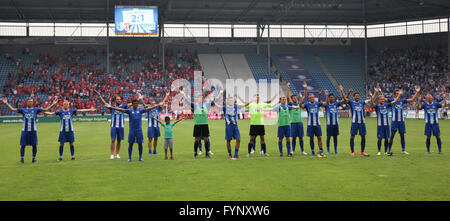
231,11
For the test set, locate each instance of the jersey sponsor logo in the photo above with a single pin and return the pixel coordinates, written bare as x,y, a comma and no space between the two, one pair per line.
399,106
431,111
332,110
383,111
358,108
29,116
313,110
66,117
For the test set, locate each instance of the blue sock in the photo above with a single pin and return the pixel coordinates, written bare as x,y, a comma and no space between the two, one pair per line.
288,145
428,145
196,144
363,144
301,145
439,143
280,147
140,148
254,144
61,151
236,152
294,143
229,152
34,152
72,150
379,145
22,152
207,147
352,145
328,143
130,150
402,141
335,140
311,143
199,145
387,146
263,148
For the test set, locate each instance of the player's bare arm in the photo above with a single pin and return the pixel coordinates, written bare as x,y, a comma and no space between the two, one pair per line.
86,110
5,101
50,107
341,91
115,108
415,95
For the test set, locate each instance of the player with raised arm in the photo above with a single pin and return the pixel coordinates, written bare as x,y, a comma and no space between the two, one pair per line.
135,134
168,135
431,119
230,112
398,119
296,119
117,124
332,116
28,136
257,120
66,133
313,126
382,110
284,124
358,121
200,108
153,131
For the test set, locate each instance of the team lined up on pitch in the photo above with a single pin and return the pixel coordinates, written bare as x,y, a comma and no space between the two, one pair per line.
290,123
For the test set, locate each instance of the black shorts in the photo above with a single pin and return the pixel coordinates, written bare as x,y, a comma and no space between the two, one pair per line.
257,130
201,130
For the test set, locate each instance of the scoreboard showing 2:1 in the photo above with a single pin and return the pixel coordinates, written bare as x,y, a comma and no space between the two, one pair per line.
136,21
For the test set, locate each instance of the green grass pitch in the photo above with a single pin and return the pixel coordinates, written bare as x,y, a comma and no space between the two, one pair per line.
93,176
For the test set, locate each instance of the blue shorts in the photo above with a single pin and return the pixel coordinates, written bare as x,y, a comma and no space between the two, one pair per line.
297,130
28,138
432,129
314,130
66,137
356,127
398,125
232,132
153,132
284,131
135,137
117,133
383,132
332,130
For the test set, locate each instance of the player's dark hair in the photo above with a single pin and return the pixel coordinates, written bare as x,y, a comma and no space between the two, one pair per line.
294,95
167,118
331,95
356,93
134,101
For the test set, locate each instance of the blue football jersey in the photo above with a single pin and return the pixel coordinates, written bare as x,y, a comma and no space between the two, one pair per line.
155,112
431,112
383,114
332,114
357,109
29,116
66,119
117,120
135,118
313,112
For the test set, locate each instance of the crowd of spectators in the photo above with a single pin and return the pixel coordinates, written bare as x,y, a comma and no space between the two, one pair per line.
77,72
407,68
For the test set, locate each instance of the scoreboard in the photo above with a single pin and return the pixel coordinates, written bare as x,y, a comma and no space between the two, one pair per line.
142,20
